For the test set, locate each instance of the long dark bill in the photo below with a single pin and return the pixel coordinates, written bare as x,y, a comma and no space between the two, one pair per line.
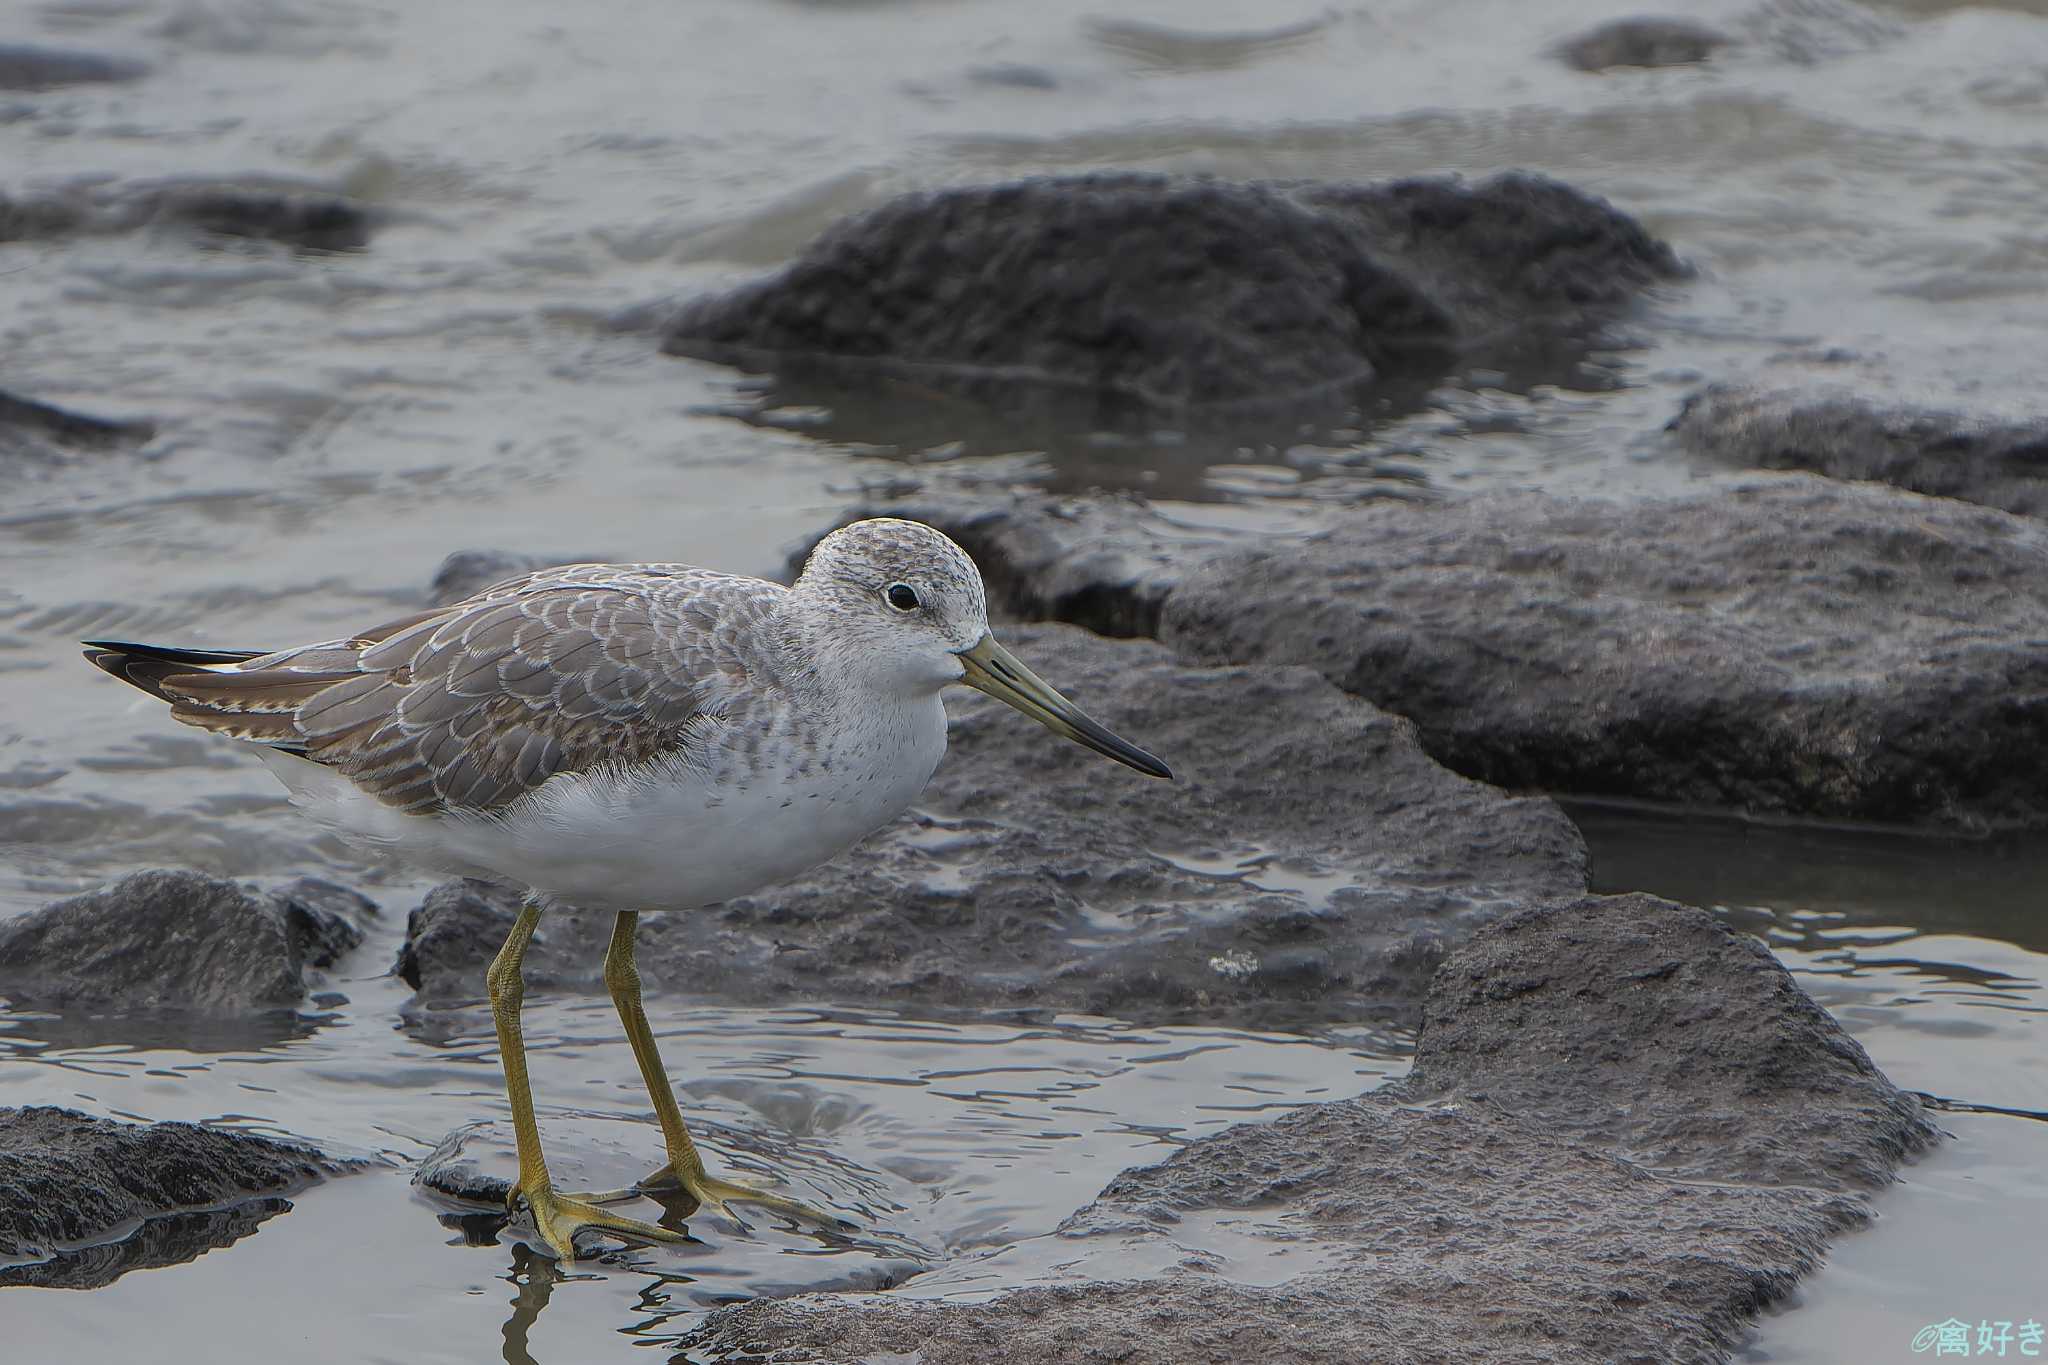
996,671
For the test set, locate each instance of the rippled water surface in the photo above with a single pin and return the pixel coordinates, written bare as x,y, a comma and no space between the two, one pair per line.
1861,189
958,1148
1935,956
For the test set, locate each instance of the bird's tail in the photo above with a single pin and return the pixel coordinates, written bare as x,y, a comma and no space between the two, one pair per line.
146,666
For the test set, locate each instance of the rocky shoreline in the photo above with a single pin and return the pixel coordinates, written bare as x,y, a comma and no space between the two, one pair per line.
1627,1131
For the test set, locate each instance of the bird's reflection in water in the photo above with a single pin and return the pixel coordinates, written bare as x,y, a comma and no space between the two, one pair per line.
533,1284
667,1293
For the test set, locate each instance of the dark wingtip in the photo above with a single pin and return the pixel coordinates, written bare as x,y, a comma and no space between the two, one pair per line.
146,666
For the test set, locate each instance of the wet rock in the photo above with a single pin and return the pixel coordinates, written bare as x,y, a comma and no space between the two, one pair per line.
1014,76
1998,462
455,932
1518,260
467,572
84,1200
303,217
40,217
33,433
179,940
1789,647
307,221
1309,861
1642,41
1690,1049
1143,293
1784,646
1627,1131
46,68
322,921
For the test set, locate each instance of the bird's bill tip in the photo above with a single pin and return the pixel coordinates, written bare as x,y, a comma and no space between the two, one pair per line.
992,669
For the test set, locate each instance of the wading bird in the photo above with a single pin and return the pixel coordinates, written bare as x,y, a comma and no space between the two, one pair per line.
626,737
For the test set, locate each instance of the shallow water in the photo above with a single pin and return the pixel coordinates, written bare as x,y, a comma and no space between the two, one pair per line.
1852,182
956,1146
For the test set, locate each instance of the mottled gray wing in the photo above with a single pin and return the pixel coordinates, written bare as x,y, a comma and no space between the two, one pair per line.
473,706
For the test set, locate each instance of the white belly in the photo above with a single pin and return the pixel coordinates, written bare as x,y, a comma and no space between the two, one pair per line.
661,839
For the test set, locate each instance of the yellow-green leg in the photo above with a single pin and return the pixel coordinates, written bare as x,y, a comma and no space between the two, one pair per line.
558,1217
685,1168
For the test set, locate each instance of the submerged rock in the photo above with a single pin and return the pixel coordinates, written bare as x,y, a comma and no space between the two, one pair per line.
46,68
1785,646
1998,462
44,434
1309,861
84,1200
180,940
1646,40
310,221
1158,294
305,217
1627,1132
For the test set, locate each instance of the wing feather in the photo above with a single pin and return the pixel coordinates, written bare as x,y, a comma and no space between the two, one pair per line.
472,706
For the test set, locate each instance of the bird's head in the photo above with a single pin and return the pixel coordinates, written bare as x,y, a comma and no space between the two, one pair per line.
908,614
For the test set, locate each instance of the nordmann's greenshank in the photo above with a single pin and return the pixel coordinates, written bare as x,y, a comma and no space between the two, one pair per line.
627,737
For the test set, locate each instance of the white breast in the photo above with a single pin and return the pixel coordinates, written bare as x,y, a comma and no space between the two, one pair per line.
667,837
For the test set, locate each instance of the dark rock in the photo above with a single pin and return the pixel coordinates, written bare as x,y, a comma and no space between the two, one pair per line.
455,932
44,434
39,218
307,221
1786,646
1689,1049
1147,293
1014,76
46,68
322,921
179,940
467,572
1309,861
2000,463
73,1189
304,217
1516,260
1642,41
1626,1133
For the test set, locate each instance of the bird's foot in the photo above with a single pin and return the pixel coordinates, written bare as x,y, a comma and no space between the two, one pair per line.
560,1217
718,1196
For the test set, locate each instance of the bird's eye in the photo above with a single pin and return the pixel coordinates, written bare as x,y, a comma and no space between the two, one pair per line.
901,596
